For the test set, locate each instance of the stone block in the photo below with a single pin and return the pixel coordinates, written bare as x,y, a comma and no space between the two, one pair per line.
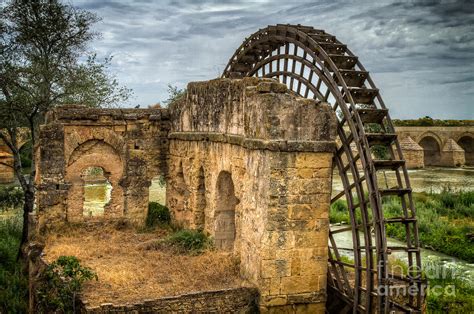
299,284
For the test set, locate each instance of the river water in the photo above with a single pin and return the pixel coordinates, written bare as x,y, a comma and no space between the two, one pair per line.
422,180
425,180
435,260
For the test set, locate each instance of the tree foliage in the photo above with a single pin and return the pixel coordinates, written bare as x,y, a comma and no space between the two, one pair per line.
174,94
46,62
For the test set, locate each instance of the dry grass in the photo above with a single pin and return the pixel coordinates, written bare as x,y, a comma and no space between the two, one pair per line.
129,273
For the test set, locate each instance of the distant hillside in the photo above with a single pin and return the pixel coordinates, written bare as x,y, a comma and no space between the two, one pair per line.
428,121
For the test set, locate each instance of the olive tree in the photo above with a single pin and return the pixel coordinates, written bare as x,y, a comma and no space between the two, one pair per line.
45,62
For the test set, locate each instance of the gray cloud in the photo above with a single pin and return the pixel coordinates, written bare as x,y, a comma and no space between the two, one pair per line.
419,52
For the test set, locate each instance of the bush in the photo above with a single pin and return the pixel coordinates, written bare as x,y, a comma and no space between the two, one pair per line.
339,212
157,215
10,197
61,281
191,241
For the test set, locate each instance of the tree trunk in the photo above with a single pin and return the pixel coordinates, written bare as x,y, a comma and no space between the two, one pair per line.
29,198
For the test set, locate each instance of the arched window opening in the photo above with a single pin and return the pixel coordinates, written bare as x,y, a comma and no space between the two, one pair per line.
225,212
97,191
431,151
157,190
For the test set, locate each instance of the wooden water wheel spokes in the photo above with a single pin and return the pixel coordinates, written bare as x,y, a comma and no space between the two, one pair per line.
314,64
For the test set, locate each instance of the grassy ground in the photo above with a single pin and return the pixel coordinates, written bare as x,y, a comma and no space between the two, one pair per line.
445,220
446,224
133,266
13,284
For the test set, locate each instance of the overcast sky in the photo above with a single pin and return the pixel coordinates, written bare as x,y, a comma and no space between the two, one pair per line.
420,53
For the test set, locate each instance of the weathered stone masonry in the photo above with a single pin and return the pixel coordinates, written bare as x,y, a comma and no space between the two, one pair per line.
130,145
272,152
245,160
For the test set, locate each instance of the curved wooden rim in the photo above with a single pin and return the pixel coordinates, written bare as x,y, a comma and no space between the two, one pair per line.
356,167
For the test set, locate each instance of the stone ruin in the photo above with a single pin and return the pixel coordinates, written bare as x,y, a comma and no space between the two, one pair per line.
245,160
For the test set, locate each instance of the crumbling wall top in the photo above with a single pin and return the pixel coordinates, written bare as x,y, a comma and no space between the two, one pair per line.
253,110
69,114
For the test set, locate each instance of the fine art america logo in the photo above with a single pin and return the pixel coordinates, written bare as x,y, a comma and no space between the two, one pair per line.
432,270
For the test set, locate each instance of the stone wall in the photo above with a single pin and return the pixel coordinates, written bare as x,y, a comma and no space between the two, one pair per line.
241,300
130,145
251,165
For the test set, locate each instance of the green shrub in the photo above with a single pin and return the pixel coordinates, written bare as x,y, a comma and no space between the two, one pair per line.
448,293
10,197
444,220
338,212
61,281
157,215
191,241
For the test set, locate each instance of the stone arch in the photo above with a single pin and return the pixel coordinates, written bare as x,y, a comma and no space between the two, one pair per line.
94,153
77,138
431,150
226,201
466,141
435,136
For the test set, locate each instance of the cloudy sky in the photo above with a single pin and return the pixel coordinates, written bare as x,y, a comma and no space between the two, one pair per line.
420,53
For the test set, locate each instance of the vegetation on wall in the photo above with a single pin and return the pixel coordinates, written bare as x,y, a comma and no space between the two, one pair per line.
428,121
174,94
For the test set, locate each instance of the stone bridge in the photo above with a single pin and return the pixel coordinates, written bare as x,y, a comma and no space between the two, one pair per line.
449,146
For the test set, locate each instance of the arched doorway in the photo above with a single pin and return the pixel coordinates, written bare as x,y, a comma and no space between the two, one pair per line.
104,161
467,143
225,212
431,151
97,191
157,190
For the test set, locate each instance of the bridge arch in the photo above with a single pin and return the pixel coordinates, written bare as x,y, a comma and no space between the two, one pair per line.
466,141
432,145
314,64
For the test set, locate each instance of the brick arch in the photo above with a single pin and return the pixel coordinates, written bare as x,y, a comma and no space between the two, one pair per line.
82,135
94,153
